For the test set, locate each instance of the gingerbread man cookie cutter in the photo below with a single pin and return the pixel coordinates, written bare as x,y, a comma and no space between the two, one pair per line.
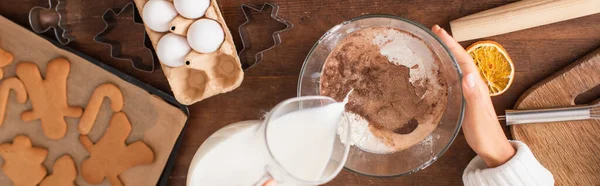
110,20
247,9
42,19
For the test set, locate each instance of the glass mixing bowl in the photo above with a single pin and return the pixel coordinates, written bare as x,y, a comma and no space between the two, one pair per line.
433,146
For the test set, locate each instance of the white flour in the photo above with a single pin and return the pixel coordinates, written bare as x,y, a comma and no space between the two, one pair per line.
406,50
361,135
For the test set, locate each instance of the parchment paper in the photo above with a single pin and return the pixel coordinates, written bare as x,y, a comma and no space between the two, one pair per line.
153,120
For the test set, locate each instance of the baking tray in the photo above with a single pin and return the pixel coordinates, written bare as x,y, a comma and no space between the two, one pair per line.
164,177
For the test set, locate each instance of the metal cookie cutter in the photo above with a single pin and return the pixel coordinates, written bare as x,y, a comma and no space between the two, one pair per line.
244,35
110,19
43,19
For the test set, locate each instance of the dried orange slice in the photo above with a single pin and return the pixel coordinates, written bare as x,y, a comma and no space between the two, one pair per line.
495,66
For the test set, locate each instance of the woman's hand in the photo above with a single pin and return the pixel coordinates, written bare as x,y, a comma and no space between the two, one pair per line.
270,182
480,125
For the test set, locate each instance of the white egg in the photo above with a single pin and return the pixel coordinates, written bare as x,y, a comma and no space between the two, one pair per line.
191,9
205,35
172,50
158,14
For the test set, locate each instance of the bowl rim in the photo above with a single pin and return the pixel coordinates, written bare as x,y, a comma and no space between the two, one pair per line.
454,62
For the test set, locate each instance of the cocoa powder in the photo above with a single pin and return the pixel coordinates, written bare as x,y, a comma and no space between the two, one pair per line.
382,93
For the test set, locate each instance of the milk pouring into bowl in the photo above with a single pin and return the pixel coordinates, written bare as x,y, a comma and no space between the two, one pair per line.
297,144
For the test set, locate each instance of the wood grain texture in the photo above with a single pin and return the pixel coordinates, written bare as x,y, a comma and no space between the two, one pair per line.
537,53
568,149
520,15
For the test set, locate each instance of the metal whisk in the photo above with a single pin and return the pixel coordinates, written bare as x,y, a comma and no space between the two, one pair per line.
513,117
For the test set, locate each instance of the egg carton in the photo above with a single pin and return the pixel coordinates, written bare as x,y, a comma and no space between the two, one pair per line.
203,74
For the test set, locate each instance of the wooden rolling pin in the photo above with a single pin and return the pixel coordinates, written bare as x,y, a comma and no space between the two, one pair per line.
520,15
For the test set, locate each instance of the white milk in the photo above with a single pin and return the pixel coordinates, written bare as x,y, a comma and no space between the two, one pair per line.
301,142
229,157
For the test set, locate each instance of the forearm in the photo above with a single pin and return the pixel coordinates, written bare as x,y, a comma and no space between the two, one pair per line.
489,142
493,148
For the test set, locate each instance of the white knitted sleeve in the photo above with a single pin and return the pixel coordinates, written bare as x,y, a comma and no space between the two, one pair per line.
521,169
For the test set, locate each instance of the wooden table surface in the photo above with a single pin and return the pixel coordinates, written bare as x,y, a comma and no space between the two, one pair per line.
537,53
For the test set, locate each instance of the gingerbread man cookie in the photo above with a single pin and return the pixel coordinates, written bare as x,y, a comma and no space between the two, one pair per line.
108,90
5,86
6,58
22,162
48,96
111,156
64,173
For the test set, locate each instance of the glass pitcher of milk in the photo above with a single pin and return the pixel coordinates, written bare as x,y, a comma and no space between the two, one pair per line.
296,144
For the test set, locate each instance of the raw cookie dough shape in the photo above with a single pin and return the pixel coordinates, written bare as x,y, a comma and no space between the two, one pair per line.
111,156
48,96
22,162
6,58
5,87
90,113
64,173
